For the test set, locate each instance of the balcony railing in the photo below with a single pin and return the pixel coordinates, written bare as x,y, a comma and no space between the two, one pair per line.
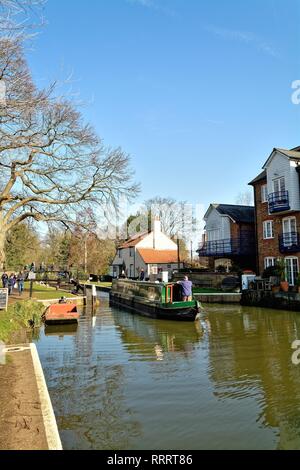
289,242
279,202
242,246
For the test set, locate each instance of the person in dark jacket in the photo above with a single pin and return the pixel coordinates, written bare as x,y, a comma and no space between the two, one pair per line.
4,279
11,283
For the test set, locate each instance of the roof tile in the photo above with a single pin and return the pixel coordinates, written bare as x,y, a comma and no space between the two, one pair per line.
151,256
240,214
131,242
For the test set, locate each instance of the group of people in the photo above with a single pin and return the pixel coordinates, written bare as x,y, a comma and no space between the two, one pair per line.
12,281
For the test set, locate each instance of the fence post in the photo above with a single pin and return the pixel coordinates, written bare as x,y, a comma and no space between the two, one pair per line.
31,289
94,296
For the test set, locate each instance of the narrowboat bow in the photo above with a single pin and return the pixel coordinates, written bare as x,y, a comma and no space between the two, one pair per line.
156,300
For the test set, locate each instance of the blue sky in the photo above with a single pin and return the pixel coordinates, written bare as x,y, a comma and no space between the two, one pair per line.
198,92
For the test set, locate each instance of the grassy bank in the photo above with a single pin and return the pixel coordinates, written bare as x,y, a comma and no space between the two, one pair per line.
98,284
41,292
19,315
208,290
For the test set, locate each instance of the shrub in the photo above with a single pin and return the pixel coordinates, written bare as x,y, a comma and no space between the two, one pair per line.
271,271
18,316
236,269
221,269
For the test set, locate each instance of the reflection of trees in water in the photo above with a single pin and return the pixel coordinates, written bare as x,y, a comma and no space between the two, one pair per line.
250,356
87,395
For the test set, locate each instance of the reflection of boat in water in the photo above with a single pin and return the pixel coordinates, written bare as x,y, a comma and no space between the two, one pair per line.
147,337
161,300
61,330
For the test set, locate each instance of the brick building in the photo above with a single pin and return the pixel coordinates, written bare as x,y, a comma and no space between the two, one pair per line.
229,236
277,212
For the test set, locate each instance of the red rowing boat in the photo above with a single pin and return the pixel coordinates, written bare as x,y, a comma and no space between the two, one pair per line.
61,313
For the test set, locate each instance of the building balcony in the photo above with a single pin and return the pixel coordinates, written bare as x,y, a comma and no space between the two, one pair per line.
289,242
279,202
243,246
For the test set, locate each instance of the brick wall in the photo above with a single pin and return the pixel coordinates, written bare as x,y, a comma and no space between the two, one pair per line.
270,248
234,230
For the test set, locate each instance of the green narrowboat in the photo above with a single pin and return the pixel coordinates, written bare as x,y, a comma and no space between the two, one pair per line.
156,300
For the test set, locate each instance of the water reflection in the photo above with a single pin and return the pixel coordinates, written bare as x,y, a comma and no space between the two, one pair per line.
61,330
122,381
86,388
250,357
152,339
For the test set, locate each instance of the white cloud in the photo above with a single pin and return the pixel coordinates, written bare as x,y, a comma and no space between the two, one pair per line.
245,37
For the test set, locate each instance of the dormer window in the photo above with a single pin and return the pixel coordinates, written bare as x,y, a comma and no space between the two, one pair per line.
279,199
279,185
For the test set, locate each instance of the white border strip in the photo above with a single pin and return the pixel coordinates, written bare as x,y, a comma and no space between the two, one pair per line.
217,294
52,434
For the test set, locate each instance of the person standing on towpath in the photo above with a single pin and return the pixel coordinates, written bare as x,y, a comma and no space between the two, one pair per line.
21,280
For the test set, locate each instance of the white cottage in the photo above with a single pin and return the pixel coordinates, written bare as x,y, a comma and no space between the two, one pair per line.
153,252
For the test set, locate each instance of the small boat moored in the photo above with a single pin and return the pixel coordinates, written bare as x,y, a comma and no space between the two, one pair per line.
156,300
58,314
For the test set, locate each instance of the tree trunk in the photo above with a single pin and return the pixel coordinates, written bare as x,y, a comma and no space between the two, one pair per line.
2,244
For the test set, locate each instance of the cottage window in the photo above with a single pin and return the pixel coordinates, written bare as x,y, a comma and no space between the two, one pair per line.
268,229
154,269
264,193
131,250
269,261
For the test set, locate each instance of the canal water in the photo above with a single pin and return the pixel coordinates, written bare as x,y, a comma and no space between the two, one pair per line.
120,381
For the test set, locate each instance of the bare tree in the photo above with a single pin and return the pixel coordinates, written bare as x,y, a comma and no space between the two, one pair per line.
245,198
18,16
175,216
52,165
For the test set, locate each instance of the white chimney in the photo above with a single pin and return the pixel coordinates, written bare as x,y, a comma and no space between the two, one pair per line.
156,231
